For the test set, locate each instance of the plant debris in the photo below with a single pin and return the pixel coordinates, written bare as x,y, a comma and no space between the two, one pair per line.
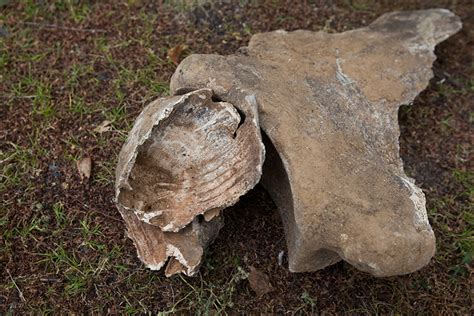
84,167
174,53
103,127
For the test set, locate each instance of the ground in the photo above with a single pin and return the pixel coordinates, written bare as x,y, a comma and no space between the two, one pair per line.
68,66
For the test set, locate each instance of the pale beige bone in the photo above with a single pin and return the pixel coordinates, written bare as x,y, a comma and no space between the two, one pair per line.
329,103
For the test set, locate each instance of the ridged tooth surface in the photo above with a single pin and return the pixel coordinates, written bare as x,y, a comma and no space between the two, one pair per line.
195,159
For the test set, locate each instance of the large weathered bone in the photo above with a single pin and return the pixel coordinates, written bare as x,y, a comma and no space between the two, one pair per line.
328,104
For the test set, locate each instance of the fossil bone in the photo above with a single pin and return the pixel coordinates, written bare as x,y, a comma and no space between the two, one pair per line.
328,105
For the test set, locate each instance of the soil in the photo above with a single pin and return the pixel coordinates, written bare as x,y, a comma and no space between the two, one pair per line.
67,66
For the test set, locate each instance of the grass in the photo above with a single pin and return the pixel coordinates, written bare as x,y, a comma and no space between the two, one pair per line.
106,172
78,275
19,164
208,297
78,72
59,215
465,237
360,5
307,301
64,242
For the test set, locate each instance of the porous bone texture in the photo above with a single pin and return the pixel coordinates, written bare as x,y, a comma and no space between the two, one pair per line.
186,158
328,104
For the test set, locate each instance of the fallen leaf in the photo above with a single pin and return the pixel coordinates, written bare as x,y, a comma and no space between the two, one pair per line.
103,127
174,53
259,282
84,167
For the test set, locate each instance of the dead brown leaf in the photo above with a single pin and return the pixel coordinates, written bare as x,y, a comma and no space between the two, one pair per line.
84,167
174,53
103,127
259,282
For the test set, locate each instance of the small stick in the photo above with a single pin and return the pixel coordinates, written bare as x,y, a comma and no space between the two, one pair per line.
65,28
50,280
18,289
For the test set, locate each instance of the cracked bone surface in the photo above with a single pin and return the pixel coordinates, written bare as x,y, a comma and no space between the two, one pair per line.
186,158
328,104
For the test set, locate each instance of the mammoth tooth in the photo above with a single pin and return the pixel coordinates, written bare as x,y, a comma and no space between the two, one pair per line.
186,156
182,250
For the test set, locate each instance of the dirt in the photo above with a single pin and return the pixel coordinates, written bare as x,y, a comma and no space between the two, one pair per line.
65,67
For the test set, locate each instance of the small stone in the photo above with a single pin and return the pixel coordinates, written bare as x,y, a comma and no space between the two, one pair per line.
259,282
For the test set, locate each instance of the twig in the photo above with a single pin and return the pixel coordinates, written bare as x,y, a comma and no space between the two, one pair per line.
65,28
18,289
50,280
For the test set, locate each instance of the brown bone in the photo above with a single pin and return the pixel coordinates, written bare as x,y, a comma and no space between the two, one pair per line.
328,104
